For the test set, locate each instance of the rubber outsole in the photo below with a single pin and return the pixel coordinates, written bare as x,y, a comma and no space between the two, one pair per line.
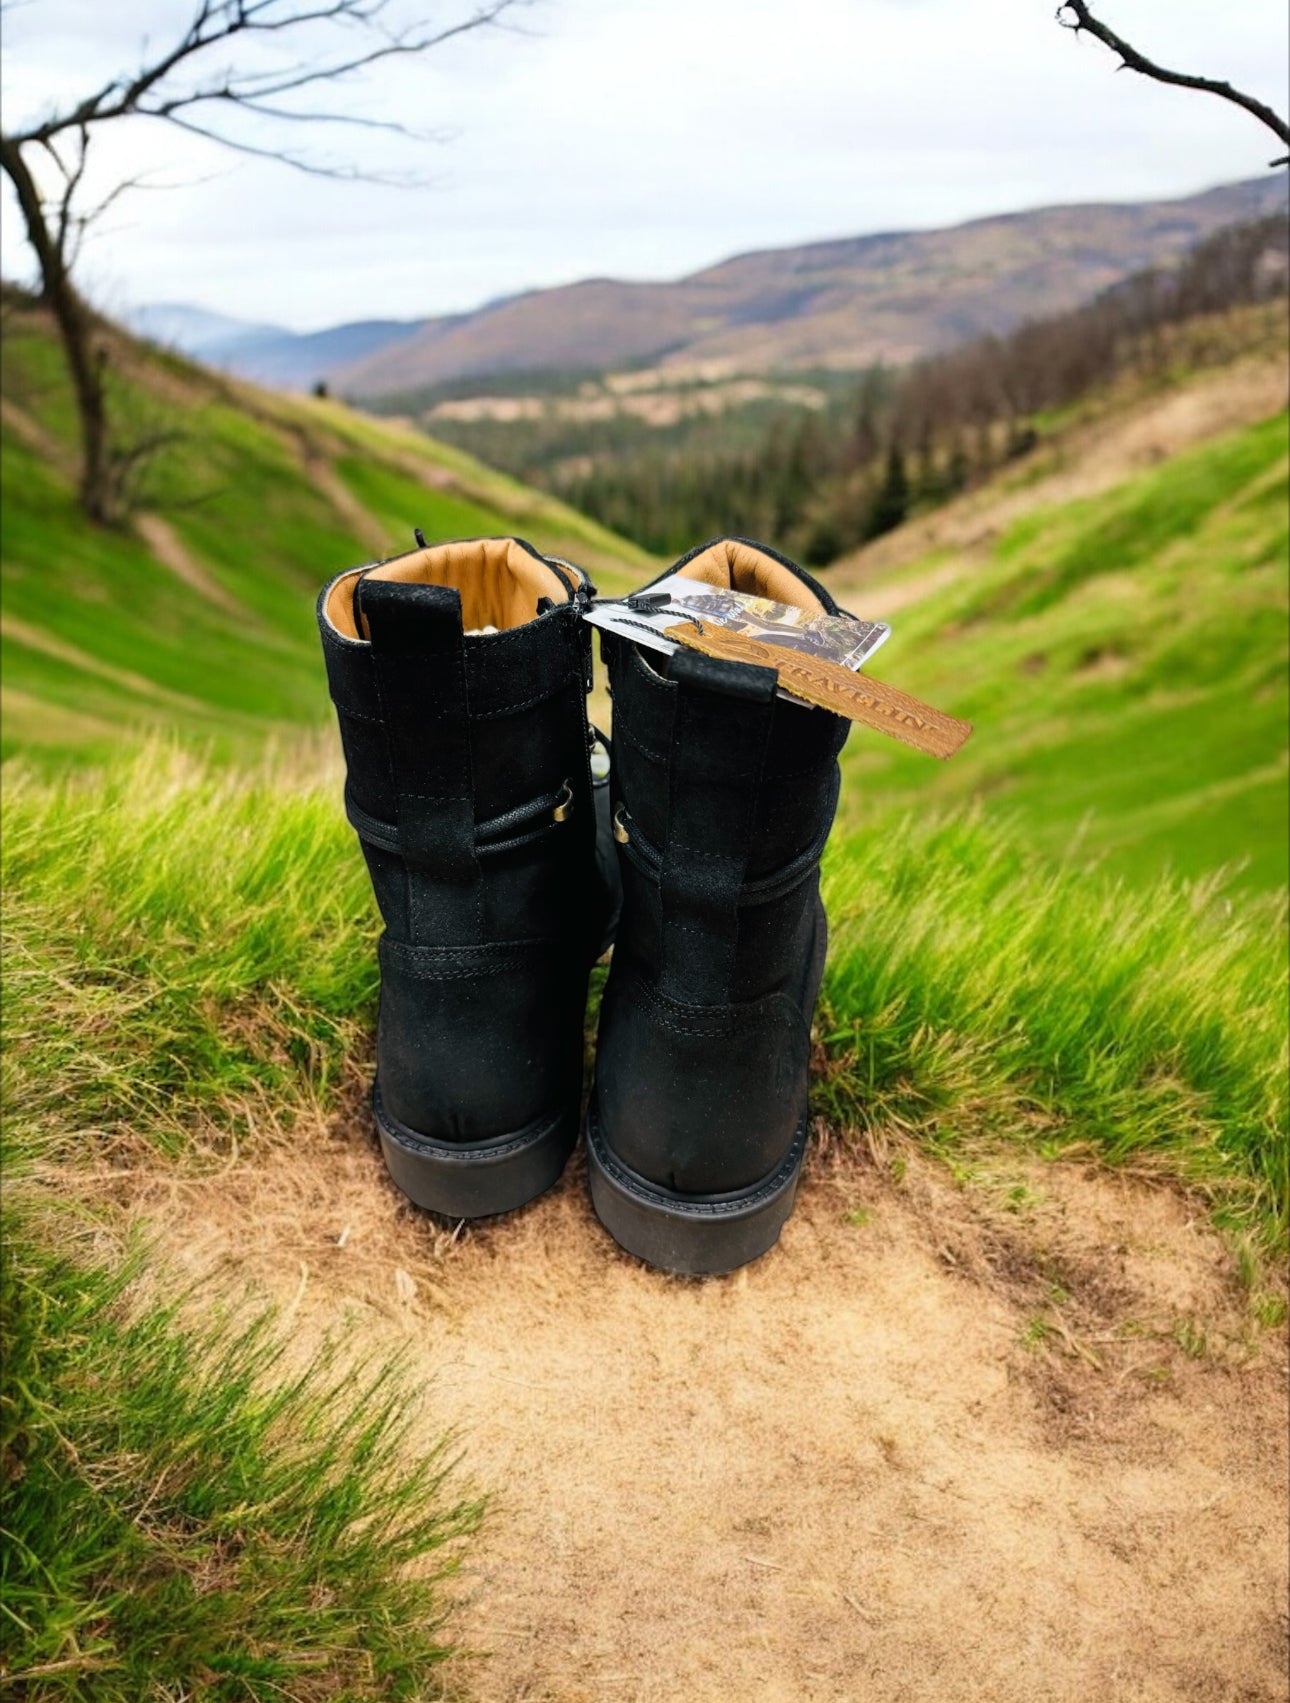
698,1235
475,1179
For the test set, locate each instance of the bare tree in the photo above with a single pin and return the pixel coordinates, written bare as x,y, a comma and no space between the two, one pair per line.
1076,15
211,71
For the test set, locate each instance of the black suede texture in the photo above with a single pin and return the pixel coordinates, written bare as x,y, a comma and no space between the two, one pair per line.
726,793
489,936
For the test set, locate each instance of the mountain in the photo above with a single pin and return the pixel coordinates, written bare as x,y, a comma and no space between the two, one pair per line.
266,354
889,297
195,330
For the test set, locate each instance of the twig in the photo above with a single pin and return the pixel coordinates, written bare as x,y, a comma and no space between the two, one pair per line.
1075,15
852,1603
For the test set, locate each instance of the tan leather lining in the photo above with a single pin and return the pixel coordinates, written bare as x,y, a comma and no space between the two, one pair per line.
499,582
339,607
730,565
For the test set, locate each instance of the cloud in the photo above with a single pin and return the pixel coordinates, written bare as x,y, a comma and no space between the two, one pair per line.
650,137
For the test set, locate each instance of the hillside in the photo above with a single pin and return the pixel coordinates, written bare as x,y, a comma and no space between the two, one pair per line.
1110,612
1112,617
200,619
266,1431
889,297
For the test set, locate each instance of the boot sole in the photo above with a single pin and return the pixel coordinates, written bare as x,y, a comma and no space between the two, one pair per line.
479,1179
698,1235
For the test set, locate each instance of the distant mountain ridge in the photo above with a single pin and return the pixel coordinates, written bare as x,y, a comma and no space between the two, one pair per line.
890,296
266,354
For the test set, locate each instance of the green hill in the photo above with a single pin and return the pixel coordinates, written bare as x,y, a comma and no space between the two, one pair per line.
1121,651
200,619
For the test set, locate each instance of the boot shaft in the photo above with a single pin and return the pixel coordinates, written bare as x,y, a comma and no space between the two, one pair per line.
724,794
465,739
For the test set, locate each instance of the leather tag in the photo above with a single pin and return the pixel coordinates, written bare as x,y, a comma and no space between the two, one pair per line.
858,697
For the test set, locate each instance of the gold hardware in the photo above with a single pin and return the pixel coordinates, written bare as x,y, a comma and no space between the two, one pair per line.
564,804
620,829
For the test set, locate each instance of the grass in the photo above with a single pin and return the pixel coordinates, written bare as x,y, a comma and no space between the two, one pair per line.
1123,660
974,987
185,944
187,953
185,1515
268,496
189,946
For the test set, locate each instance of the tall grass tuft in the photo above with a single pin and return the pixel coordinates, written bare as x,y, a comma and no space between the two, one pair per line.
184,1516
971,985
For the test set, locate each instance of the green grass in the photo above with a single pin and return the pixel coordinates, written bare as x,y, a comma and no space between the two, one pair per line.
185,946
974,988
1123,660
188,946
254,488
185,1515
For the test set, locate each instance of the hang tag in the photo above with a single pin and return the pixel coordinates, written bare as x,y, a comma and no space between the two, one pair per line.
816,679
647,618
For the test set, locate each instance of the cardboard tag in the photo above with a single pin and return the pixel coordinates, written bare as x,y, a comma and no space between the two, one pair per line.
859,697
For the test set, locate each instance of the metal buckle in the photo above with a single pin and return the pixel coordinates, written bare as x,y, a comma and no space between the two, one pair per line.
564,804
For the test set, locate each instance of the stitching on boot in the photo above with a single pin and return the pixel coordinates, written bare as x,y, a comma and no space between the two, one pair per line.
707,1021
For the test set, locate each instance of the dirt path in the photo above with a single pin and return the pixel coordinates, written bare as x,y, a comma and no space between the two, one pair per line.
171,551
332,488
36,638
1012,1442
31,433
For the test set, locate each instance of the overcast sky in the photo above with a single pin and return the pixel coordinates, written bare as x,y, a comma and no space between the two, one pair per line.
645,139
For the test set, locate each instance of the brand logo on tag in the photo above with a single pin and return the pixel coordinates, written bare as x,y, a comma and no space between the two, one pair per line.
815,680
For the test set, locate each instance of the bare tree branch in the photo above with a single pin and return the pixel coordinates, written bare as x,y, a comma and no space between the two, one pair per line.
191,84
297,162
354,120
227,21
1075,15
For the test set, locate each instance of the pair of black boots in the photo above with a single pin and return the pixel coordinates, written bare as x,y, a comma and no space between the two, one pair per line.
503,866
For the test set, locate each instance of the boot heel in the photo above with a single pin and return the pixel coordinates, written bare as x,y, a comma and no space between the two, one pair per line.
698,1235
475,1179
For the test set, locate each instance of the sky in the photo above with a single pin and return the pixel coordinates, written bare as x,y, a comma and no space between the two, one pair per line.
638,138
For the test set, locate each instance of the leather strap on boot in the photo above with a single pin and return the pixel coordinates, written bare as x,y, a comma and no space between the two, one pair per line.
719,732
419,659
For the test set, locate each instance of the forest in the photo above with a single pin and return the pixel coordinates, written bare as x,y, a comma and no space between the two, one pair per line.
878,446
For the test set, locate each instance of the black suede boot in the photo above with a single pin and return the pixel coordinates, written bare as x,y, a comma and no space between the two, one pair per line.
470,787
724,794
